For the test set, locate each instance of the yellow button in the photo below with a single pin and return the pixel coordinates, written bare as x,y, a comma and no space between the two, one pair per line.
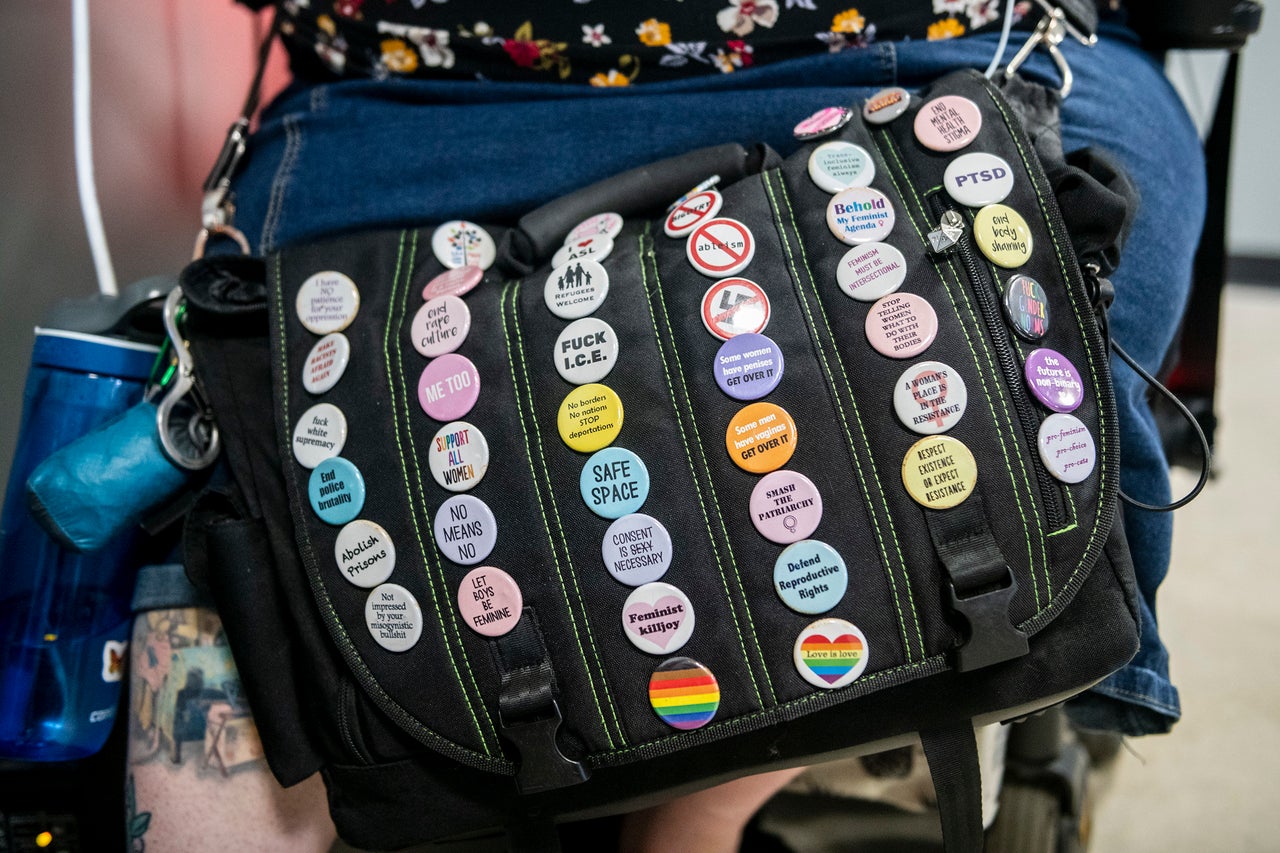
939,472
590,417
1002,235
761,438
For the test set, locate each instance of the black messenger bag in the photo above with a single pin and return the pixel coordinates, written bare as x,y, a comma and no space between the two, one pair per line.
834,466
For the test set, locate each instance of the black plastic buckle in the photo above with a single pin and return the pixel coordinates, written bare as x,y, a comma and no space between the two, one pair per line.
543,767
992,638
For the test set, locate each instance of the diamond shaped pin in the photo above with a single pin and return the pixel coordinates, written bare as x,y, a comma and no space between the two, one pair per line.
944,238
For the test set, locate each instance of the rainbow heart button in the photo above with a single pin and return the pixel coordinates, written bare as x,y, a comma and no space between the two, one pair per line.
684,693
830,653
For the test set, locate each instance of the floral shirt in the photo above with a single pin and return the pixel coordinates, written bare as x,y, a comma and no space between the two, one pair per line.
602,42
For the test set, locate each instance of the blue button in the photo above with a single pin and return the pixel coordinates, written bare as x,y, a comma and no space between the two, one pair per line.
810,577
614,482
336,491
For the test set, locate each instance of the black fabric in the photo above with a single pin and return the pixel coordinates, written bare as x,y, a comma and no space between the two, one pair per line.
411,743
952,753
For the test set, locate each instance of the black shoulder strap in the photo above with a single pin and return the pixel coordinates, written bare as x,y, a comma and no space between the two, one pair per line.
952,753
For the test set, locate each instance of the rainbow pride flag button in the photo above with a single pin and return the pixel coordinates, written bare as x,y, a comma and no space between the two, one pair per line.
830,653
684,693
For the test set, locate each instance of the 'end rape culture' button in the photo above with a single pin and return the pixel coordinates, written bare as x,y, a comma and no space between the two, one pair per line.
327,302
393,617
870,271
490,601
465,529
590,417
785,507
576,289
336,491
458,457
448,387
440,326
326,363
320,434
636,549
748,367
364,553
614,482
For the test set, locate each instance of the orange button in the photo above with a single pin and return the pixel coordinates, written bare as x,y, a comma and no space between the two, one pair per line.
761,438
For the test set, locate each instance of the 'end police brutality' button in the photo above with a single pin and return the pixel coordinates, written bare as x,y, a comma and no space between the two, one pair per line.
336,491
586,351
614,482
747,367
836,166
860,215
458,457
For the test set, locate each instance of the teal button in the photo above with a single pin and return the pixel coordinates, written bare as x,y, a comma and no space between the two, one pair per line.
336,491
614,482
810,577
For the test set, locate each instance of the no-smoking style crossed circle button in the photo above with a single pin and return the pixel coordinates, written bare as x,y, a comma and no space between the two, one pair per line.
721,247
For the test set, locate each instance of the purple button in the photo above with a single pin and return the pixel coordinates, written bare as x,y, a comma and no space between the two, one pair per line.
1054,380
748,366
901,325
448,387
785,507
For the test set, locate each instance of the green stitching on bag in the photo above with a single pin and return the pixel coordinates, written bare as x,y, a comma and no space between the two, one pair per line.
514,349
656,294
853,448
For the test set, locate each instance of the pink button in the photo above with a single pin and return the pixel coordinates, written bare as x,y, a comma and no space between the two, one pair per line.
440,326
490,601
822,122
901,325
448,387
785,507
948,123
453,282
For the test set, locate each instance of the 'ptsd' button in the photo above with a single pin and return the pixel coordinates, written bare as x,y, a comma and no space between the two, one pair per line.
614,482
978,179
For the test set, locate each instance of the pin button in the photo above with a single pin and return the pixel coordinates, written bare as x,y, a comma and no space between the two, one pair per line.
684,693
948,123
870,271
448,387
440,326
614,482
459,456
810,577
597,247
459,243
785,507
836,166
465,529
327,302
720,247
590,417
609,224
823,122
978,179
326,363
692,211
336,490
734,306
761,438
930,398
1027,307
1067,448
860,215
320,434
658,618
1054,380
364,553
830,653
939,472
1002,235
576,289
393,617
636,549
586,351
453,282
748,366
490,601
901,325
886,105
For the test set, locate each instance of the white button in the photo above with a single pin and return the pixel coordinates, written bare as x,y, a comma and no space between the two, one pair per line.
870,271
1067,448
860,215
978,179
658,618
586,351
440,326
327,302
836,166
459,243
364,553
320,434
459,456
393,617
691,211
720,247
597,247
326,363
930,398
576,289
602,223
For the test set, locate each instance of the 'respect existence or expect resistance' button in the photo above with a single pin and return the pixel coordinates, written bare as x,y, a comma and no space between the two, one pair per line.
465,529
939,472
490,601
590,417
657,618
336,490
830,653
614,482
748,367
327,302
320,434
761,438
458,457
684,694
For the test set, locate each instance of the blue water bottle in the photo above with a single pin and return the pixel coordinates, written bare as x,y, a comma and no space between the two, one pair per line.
64,616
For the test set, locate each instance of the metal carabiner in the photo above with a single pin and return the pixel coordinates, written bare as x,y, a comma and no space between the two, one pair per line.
1050,32
200,428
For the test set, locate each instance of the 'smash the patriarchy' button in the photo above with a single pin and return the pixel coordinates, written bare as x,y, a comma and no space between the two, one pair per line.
459,243
1027,307
978,179
614,482
597,247
657,618
948,123
1066,448
939,472
1054,380
590,417
748,367
761,438
465,529
692,211
364,553
720,247
609,224
838,165
1002,235
830,653
459,456
636,549
930,398
448,387
684,694
453,282
393,617
901,325
327,302
320,434
860,215
735,306
870,271
586,351
576,289
785,507
440,326
336,490
490,601
886,105
810,577
326,363
823,122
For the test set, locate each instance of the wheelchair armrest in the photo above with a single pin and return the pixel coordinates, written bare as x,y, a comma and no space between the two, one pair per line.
1194,24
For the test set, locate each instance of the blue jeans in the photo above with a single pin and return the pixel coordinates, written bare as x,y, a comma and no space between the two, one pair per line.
389,153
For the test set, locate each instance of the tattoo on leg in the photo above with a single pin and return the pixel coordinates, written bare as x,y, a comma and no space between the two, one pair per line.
136,824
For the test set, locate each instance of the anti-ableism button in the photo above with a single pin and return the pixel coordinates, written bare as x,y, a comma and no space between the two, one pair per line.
393,617
939,472
836,166
978,179
490,601
1027,307
327,302
657,618
930,398
901,325
684,694
320,434
458,457
1002,235
692,211
597,247
785,507
364,553
440,326
576,289
636,549
886,105
614,482
1054,380
747,367
326,363
448,387
761,438
459,243
1066,448
590,417
948,123
824,121
609,224
336,490
720,247
860,215
830,653
734,306
465,529
870,271
810,577
458,281
586,351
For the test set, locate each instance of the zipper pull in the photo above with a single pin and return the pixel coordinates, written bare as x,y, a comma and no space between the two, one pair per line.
944,238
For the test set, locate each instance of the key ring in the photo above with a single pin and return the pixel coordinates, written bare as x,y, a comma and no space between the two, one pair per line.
181,384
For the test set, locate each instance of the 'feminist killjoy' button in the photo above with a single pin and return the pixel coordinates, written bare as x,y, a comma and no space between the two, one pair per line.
657,618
